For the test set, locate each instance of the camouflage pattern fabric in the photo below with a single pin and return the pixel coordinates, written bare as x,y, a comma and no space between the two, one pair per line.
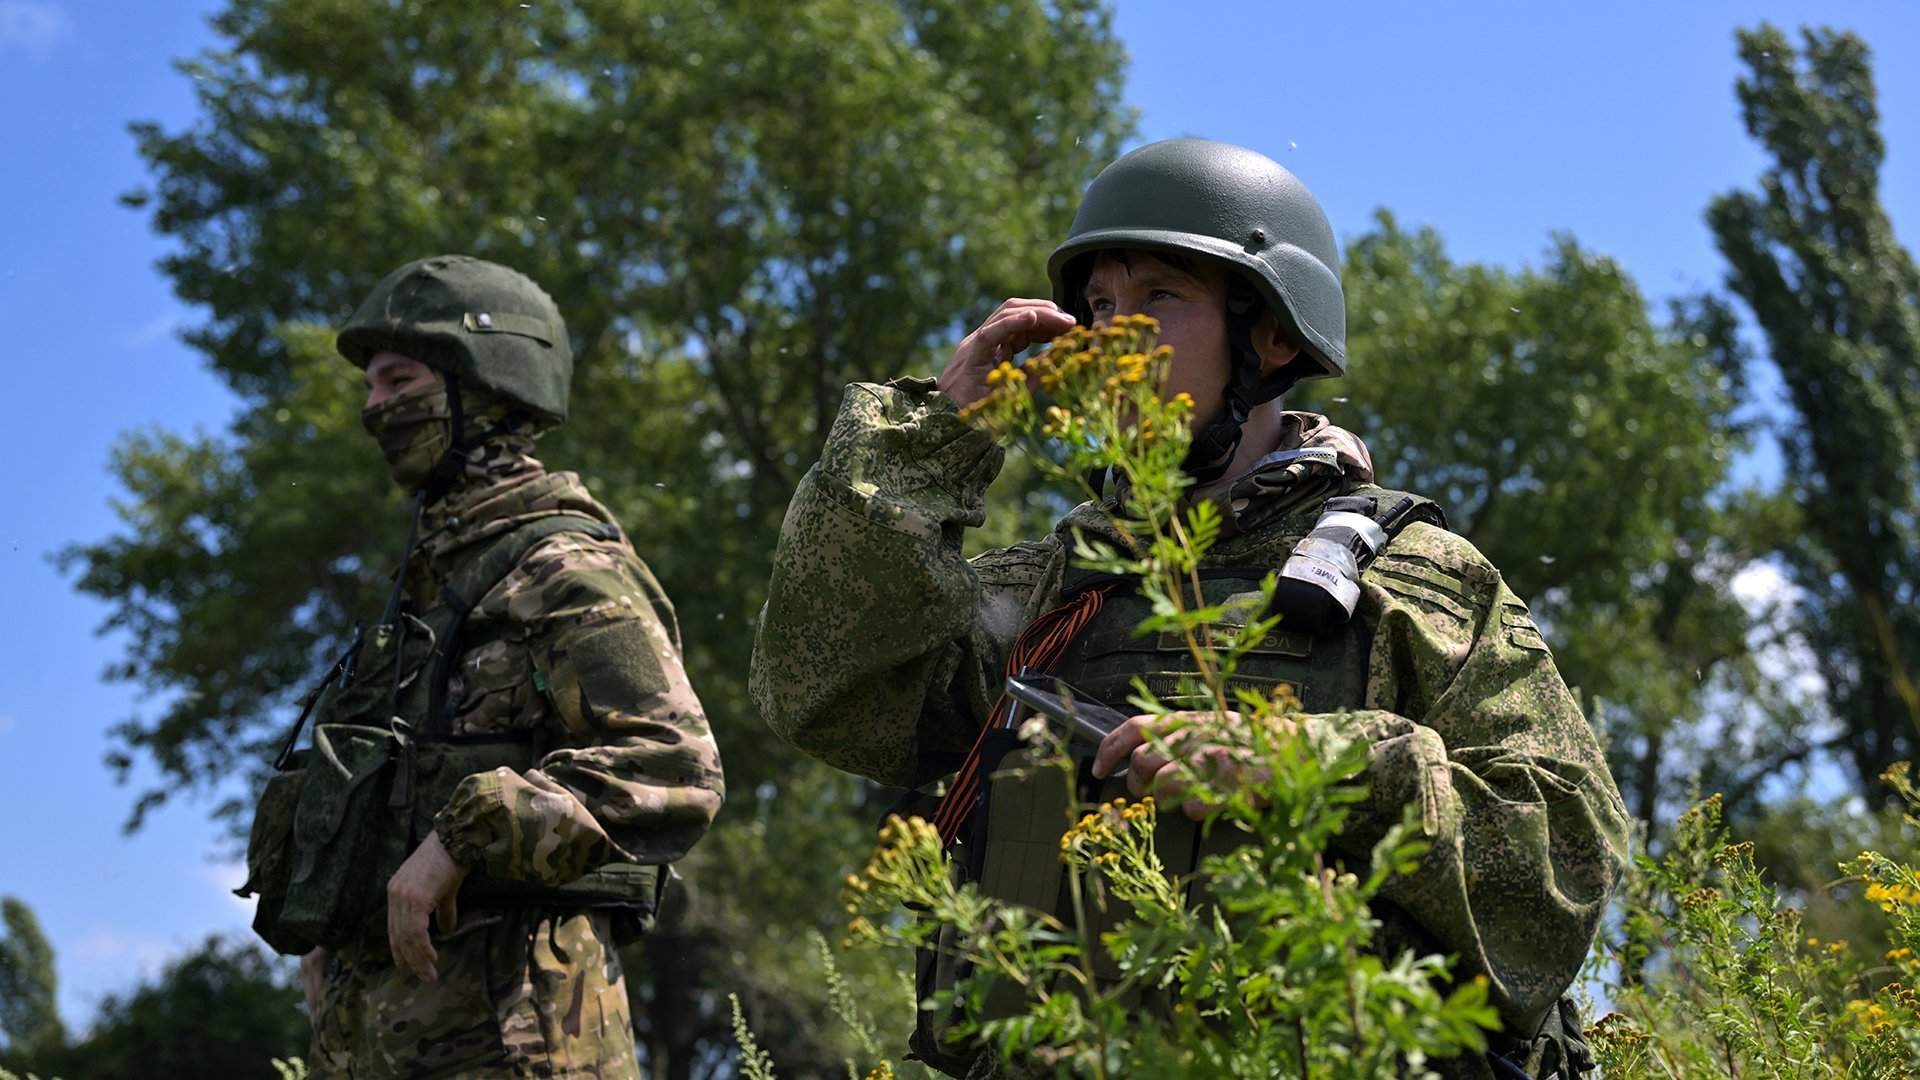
520,994
629,770
881,647
414,430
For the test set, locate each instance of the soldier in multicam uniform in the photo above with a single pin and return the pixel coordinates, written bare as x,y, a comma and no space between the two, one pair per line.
883,651
512,755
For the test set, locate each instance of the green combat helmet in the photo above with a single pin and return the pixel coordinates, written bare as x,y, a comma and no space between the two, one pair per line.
480,322
1226,202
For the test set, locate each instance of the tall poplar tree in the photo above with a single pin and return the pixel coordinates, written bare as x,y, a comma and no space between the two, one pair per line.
29,1016
1813,254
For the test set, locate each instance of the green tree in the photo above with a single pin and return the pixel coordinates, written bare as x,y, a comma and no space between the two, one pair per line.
29,1014
225,1009
1583,443
1813,254
740,205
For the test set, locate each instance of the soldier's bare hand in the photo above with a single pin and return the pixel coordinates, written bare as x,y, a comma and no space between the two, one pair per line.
427,884
1150,769
1013,326
313,978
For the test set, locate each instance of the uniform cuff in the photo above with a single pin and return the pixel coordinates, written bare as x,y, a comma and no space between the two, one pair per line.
465,825
1401,759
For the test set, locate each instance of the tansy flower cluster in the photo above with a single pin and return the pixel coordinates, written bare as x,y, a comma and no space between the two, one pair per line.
1116,840
907,857
1869,1015
1101,383
1106,826
1890,896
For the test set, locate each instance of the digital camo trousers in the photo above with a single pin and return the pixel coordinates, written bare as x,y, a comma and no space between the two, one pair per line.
520,994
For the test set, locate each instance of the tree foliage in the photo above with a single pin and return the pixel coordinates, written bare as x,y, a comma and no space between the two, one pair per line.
1583,443
1813,254
29,1014
740,206
224,1009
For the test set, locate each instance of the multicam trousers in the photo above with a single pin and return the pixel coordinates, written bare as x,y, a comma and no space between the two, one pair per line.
521,994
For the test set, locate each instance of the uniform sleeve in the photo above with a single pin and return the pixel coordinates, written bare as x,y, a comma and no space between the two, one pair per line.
873,649
1471,724
632,773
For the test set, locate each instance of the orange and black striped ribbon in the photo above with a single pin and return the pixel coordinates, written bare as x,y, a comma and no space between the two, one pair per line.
1039,647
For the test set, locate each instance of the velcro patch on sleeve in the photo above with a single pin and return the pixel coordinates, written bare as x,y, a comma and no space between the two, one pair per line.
1392,579
615,665
1520,629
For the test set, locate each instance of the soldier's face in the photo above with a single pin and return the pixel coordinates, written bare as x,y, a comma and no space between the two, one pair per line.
1190,303
390,374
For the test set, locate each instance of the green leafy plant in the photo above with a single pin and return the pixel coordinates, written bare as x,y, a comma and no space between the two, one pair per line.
1719,977
1262,966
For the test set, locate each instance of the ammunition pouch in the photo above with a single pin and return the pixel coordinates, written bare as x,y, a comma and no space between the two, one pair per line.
270,856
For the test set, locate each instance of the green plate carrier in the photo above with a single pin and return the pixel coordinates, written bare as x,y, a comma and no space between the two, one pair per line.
1013,849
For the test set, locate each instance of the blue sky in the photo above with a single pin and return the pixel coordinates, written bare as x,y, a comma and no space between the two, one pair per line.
1497,123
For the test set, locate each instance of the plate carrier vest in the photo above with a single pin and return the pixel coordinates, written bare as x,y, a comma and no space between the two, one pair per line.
337,819
1010,846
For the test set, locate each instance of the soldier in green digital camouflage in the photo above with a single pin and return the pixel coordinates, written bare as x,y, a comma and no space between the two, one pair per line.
883,651
502,767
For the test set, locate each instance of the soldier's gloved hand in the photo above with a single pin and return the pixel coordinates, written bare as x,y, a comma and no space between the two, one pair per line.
425,885
1013,326
1152,772
313,979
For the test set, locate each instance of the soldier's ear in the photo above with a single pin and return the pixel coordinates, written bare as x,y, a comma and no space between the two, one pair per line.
1276,349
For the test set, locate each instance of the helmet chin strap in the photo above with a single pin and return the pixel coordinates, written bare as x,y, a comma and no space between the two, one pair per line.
1214,446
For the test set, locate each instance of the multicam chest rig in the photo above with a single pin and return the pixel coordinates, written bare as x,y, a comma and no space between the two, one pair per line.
337,819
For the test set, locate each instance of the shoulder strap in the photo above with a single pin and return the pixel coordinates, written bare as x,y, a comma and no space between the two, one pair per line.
1395,510
474,580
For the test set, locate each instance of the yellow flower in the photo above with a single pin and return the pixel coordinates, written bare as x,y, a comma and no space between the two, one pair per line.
1006,373
1702,897
1870,1015
1183,399
1897,955
1888,896
1730,854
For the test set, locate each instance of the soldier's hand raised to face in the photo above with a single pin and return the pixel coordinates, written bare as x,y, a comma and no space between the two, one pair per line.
1013,326
425,885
